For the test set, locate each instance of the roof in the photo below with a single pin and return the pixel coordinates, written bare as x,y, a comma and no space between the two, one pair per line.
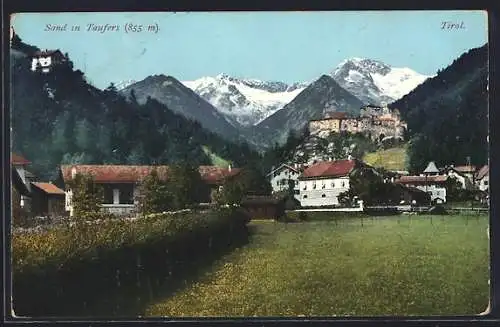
281,166
337,115
431,168
465,168
133,174
216,175
329,169
334,116
483,172
17,159
49,188
386,119
421,179
46,53
18,183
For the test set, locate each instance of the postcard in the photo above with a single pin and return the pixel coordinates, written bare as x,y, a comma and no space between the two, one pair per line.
250,164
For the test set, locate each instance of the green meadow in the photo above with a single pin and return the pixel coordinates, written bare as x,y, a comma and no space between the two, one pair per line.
399,265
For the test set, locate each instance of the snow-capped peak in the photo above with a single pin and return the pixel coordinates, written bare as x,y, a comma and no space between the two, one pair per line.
123,84
375,82
248,101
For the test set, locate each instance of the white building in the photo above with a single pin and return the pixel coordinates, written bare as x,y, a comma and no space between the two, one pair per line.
43,61
281,177
321,183
463,174
483,179
430,182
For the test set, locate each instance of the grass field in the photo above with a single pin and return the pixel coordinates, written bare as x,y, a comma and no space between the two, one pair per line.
391,159
400,265
216,160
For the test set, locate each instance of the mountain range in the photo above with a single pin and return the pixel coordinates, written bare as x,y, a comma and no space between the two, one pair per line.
181,99
161,119
264,112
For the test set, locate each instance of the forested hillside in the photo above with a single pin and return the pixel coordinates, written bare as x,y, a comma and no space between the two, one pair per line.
447,115
59,118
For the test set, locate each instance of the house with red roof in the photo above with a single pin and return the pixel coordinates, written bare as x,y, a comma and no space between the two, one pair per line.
121,182
47,200
321,183
430,181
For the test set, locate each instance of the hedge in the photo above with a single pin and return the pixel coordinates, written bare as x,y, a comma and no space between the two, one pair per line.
59,272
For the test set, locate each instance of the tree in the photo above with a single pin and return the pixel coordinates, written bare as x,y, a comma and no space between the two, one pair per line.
367,185
85,135
87,198
153,195
186,186
250,181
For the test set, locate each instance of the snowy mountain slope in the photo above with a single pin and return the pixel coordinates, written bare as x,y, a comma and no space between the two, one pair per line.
375,82
248,101
123,84
323,94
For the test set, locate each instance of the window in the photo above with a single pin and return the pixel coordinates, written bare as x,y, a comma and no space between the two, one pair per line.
323,186
333,184
126,194
437,193
323,195
485,183
305,187
314,186
305,196
108,194
343,184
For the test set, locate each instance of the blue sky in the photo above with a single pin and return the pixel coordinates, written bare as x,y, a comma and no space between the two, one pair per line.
285,46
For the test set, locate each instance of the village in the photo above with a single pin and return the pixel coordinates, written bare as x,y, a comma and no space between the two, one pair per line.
161,189
314,185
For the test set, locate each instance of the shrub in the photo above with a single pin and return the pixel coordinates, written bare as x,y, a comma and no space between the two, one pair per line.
69,265
294,217
153,195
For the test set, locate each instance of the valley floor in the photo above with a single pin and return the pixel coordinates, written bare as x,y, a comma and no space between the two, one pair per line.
400,265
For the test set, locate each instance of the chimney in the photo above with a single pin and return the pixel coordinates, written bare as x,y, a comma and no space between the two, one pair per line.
349,157
73,172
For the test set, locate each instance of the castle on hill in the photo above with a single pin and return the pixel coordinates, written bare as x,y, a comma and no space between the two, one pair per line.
376,122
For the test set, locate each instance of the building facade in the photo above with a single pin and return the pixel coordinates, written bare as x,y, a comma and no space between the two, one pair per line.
47,200
377,123
44,61
464,180
482,179
322,183
430,181
281,177
121,183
